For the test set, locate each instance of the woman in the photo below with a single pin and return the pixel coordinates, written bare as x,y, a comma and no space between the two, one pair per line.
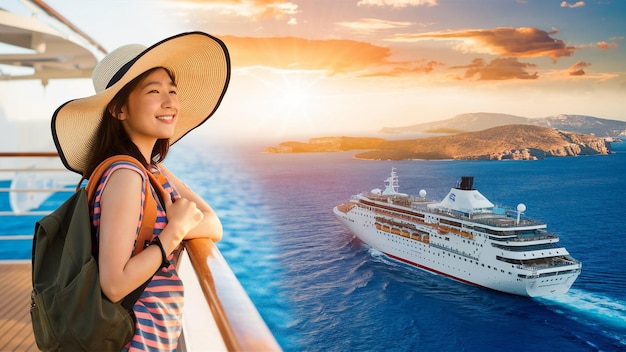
146,99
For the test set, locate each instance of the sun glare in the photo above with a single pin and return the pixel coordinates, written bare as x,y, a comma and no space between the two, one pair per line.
295,94
290,98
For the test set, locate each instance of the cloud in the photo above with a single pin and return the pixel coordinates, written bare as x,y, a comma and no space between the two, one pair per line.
574,5
372,25
506,42
397,3
577,68
250,8
497,69
332,56
355,58
404,69
607,46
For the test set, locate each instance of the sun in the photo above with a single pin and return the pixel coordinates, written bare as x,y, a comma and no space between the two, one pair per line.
295,96
286,100
296,91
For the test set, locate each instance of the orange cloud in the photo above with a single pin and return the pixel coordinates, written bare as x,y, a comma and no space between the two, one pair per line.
577,68
251,8
507,42
333,56
360,59
372,25
497,69
606,46
401,70
574,5
397,3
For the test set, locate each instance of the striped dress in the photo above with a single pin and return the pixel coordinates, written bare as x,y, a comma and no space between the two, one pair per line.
158,311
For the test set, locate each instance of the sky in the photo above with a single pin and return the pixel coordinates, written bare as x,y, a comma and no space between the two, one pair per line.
311,68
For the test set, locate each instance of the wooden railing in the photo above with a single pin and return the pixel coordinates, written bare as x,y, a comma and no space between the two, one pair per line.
239,325
238,320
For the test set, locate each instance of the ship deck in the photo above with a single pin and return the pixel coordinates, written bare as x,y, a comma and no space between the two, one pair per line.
223,317
16,333
505,220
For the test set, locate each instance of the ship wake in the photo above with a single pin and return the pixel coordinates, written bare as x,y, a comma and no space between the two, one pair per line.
591,309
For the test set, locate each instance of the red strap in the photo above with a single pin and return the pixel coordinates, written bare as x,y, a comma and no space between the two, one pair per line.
149,206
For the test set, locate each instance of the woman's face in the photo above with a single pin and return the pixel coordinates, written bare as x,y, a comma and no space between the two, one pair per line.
152,109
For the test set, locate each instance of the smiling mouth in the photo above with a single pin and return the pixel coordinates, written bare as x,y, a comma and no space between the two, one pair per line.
166,118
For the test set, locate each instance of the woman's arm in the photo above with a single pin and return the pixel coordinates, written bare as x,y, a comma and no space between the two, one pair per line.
120,208
210,226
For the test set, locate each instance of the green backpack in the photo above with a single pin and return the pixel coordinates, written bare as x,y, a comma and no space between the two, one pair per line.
68,310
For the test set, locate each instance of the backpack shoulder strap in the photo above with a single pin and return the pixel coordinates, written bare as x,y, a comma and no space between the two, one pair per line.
149,206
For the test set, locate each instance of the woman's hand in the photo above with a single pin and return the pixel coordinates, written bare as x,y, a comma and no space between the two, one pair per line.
210,226
182,216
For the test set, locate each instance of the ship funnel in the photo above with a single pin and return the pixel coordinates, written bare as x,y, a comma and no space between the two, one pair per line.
467,183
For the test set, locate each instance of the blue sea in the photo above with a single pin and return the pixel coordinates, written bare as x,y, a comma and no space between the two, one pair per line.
320,289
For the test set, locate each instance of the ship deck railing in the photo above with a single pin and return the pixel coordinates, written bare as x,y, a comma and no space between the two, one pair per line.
219,315
542,263
507,219
510,235
526,237
453,250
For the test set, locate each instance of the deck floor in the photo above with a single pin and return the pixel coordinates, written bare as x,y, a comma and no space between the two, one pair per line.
16,333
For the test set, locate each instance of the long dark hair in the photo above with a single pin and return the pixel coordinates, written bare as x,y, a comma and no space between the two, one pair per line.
112,139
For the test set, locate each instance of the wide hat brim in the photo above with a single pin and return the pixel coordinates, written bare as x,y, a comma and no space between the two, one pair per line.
201,65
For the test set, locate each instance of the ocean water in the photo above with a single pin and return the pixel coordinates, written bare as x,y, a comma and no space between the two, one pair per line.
320,289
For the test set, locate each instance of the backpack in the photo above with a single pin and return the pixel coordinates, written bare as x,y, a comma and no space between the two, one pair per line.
68,310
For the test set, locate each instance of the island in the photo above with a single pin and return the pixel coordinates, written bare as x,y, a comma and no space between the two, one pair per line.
508,142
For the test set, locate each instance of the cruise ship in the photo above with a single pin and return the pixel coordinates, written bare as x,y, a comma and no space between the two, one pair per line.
464,237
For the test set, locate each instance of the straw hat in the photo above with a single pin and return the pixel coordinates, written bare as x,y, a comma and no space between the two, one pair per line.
199,62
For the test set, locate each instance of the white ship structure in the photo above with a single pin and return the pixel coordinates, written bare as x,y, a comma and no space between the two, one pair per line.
464,237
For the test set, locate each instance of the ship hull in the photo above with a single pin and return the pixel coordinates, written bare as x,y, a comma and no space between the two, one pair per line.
471,261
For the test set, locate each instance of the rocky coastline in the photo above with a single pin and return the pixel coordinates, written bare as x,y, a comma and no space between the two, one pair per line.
510,142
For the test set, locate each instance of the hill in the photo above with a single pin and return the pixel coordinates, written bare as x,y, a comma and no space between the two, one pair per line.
482,120
518,142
